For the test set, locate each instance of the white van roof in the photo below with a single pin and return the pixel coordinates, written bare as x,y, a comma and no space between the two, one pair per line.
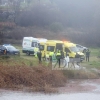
42,39
31,38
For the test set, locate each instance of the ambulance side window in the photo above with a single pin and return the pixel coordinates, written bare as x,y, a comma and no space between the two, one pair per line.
34,44
50,48
41,47
67,50
59,46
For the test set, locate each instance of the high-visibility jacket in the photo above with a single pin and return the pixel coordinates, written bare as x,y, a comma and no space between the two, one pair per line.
58,55
51,53
47,55
36,49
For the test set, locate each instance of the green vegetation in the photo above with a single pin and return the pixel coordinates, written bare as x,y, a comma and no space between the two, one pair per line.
89,70
24,72
53,19
94,59
17,60
93,63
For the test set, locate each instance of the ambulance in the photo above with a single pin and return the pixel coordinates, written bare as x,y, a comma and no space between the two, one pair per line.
50,45
73,51
29,44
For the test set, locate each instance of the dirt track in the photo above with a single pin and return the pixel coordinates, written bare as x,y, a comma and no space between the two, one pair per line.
77,86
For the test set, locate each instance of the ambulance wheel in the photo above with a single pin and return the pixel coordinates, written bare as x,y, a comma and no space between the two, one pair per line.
28,53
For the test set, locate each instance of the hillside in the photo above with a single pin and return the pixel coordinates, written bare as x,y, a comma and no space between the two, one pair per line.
75,21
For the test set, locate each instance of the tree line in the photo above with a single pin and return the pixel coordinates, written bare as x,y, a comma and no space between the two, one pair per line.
50,17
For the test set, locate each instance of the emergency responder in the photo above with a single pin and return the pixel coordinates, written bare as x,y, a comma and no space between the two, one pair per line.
39,55
87,55
66,61
62,57
44,57
50,55
47,57
58,57
36,49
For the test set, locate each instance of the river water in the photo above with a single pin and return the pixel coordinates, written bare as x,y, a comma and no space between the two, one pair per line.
74,90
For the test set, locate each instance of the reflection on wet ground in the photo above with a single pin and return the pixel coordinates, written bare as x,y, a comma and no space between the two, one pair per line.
77,86
74,90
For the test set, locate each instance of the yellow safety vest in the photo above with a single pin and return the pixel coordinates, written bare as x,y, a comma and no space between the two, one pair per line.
58,54
51,53
36,49
47,55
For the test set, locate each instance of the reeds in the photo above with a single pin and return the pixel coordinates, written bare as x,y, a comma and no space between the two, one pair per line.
38,78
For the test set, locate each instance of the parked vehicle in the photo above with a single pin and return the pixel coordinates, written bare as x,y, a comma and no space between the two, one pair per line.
29,44
73,51
2,50
8,49
50,45
81,48
53,45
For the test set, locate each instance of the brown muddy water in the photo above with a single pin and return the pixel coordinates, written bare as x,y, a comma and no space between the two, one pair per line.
74,90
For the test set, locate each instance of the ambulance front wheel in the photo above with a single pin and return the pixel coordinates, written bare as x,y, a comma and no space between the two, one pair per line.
28,53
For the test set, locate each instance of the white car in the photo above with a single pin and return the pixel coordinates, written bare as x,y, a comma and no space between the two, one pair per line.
81,48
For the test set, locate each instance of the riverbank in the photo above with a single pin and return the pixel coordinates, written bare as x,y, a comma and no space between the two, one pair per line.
36,79
75,89
24,73
81,86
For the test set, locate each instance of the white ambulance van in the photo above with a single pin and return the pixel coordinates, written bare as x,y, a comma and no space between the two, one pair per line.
42,40
29,44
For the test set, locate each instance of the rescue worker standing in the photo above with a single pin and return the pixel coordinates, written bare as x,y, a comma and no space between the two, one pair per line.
47,57
35,51
39,55
58,56
50,58
66,60
87,55
62,57
50,55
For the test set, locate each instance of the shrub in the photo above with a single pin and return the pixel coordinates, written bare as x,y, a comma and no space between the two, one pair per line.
38,78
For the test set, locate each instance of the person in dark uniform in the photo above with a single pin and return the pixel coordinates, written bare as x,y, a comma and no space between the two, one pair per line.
62,54
87,55
58,57
62,57
39,55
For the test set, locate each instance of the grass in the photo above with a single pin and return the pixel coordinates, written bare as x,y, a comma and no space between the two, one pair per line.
17,60
93,63
94,59
24,72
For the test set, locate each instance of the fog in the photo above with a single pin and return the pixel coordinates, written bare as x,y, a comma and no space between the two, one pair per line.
56,16
80,12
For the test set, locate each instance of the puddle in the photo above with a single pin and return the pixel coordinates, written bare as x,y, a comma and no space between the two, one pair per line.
77,86
31,96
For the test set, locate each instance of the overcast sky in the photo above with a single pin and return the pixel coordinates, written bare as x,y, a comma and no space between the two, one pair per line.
80,11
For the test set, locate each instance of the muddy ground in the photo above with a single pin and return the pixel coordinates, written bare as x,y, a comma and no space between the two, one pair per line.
77,86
